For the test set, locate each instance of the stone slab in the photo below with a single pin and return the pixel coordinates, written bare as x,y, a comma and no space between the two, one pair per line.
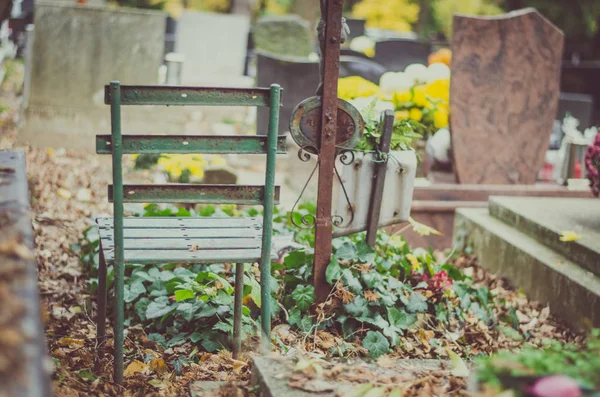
214,46
272,375
287,35
28,372
572,292
545,219
396,54
211,388
503,95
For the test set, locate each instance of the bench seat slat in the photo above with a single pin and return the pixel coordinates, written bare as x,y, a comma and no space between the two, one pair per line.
168,144
235,240
187,243
190,193
188,223
197,96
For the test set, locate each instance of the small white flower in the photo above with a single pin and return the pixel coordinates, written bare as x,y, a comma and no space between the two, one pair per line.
391,82
417,73
362,44
437,71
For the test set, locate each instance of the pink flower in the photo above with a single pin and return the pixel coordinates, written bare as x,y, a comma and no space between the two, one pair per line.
592,165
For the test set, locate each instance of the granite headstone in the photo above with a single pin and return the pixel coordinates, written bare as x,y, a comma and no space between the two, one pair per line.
503,95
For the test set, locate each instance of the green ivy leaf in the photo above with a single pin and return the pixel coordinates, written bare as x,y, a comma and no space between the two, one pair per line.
417,303
358,307
366,253
141,306
304,296
400,319
177,339
158,339
295,317
351,282
306,323
372,279
295,259
441,314
86,374
196,336
347,251
255,290
158,308
376,344
187,310
133,290
210,345
183,294
223,326
333,271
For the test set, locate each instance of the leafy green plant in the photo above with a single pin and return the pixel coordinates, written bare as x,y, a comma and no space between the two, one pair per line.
404,132
512,370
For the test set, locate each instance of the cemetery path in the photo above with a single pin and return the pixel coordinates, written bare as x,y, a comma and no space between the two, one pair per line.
68,189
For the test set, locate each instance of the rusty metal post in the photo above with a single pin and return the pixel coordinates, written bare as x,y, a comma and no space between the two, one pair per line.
330,48
379,176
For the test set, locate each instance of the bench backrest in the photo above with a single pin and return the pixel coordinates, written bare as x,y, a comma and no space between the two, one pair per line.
118,144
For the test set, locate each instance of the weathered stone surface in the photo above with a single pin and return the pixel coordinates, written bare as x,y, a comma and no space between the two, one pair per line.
272,375
503,95
76,51
572,292
545,219
283,35
219,176
214,46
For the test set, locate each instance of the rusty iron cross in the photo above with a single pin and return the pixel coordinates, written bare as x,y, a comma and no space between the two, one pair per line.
332,30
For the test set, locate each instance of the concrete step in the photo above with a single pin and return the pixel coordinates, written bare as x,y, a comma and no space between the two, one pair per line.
546,218
572,292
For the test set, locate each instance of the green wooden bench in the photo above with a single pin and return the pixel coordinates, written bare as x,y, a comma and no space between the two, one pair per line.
170,240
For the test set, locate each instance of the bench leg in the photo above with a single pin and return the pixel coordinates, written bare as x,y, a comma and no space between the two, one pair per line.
237,309
119,320
101,314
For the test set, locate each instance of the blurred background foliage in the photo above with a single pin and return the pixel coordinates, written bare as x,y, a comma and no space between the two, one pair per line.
430,19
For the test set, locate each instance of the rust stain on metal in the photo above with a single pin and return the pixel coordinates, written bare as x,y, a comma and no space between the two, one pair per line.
331,14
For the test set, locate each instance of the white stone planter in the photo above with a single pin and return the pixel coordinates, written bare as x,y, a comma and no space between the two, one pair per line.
358,179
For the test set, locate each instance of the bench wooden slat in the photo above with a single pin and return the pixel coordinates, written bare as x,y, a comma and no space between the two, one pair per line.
187,243
186,233
197,96
183,256
189,193
188,223
159,144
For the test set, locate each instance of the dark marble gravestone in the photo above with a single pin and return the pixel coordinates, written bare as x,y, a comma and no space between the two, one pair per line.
299,78
503,95
357,28
396,54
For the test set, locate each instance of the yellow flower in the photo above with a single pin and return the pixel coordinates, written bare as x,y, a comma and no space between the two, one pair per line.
419,97
416,114
370,52
439,90
414,262
401,97
401,114
355,86
568,235
440,118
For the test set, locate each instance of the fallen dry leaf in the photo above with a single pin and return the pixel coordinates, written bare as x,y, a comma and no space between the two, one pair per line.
71,342
158,365
135,367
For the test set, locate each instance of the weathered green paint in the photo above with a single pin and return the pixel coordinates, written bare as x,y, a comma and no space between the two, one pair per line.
159,144
198,96
153,241
101,305
202,194
117,157
237,310
269,198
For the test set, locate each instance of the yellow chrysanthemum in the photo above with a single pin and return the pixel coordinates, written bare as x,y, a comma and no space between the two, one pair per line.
416,114
438,90
440,118
419,96
356,87
414,262
401,114
402,97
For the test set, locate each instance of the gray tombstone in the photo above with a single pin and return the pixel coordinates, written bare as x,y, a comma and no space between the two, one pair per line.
287,35
396,54
299,78
76,51
357,28
214,46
